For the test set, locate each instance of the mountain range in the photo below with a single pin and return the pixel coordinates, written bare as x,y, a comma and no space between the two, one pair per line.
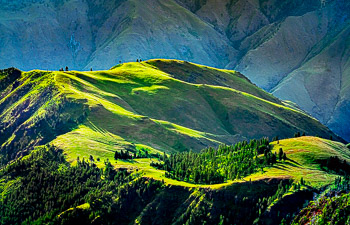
297,50
174,112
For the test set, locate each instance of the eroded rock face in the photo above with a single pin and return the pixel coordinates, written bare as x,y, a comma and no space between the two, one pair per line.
163,29
323,88
98,34
297,50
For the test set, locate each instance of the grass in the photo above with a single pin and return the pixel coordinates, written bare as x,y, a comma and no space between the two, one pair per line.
199,74
141,89
161,105
84,141
84,206
151,172
303,154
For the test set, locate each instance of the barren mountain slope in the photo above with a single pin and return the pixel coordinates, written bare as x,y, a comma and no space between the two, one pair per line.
270,41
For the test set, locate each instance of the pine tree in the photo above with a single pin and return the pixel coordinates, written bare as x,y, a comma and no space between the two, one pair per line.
91,158
280,154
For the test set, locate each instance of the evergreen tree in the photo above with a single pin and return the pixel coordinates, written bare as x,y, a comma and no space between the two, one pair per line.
280,154
91,158
217,165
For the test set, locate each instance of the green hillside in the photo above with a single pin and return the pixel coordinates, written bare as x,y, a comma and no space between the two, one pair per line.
158,105
306,155
65,129
297,50
85,193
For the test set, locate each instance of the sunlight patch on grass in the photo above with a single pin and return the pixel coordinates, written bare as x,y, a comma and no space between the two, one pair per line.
303,154
149,90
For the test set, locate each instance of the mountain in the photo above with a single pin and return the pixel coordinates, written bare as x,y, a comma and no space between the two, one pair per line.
157,141
293,49
159,105
98,34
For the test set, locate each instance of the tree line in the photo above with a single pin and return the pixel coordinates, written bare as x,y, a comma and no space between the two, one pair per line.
212,166
138,153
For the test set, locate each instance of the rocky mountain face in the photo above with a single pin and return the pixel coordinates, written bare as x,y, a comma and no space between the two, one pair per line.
83,34
298,50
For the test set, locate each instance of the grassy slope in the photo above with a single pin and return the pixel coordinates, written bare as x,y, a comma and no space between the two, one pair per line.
144,105
295,148
199,74
138,103
303,150
303,154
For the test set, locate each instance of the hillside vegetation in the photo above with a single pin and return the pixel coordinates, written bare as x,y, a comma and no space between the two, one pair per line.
157,105
84,192
156,142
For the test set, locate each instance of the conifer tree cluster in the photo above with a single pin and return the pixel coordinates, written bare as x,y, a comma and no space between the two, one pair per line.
212,166
122,155
139,153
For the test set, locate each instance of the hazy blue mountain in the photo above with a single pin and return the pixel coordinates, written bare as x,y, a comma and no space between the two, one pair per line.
298,50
